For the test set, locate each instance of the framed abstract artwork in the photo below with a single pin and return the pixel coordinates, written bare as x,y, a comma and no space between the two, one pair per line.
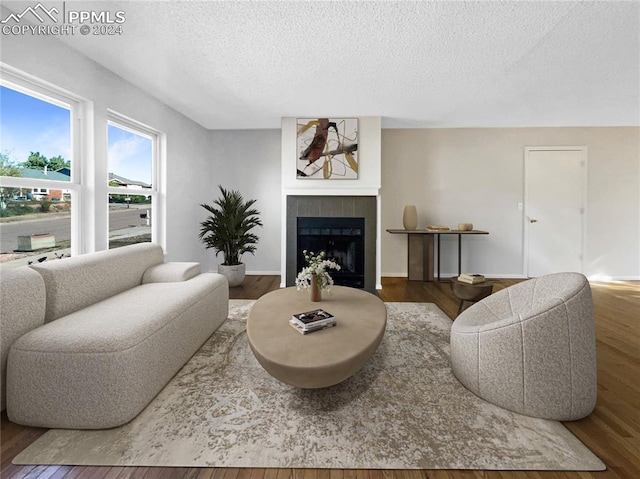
327,148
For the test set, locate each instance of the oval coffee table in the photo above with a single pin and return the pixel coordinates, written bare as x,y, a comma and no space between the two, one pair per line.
322,358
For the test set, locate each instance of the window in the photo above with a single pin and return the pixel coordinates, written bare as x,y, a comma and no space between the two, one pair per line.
132,181
38,179
77,190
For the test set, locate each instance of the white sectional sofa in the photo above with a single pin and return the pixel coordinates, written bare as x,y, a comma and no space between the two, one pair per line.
88,341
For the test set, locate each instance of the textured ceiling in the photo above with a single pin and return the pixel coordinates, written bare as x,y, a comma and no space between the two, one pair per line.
417,64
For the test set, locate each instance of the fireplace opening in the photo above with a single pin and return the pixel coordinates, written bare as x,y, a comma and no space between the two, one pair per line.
342,240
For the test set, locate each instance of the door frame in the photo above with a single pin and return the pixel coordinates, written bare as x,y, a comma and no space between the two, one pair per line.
525,216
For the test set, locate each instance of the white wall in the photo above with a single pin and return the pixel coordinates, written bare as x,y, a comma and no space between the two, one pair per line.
453,176
189,159
477,176
249,161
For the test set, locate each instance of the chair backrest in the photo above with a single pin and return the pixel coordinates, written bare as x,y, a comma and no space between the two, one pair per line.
530,297
75,283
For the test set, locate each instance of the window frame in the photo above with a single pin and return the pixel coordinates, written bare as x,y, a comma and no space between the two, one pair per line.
41,90
89,162
156,192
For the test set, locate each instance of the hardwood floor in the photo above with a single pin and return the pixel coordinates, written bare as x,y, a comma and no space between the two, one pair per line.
612,431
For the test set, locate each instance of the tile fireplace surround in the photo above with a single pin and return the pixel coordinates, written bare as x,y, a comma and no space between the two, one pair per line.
335,207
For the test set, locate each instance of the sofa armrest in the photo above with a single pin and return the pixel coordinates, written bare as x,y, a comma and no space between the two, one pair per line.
171,272
22,300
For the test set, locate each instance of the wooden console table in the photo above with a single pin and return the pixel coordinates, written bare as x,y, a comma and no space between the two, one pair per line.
421,250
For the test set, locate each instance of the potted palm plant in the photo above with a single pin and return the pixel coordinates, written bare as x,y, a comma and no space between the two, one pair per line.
226,230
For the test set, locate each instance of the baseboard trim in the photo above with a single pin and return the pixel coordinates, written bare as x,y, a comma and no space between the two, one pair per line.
608,279
611,279
594,278
451,275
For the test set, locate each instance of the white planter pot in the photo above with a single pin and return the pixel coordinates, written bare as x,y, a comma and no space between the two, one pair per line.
234,273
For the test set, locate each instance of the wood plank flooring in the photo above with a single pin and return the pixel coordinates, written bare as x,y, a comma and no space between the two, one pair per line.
612,431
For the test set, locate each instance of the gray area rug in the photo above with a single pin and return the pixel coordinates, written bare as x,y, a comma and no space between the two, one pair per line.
403,410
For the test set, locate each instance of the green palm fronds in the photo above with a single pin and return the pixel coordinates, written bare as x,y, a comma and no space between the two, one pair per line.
227,228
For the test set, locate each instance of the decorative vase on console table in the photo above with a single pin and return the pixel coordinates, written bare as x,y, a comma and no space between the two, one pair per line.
410,217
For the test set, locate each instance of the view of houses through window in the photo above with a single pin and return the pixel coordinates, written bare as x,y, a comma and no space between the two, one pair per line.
131,189
39,180
36,190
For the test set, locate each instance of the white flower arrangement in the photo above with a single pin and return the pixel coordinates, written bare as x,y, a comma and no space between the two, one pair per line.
318,266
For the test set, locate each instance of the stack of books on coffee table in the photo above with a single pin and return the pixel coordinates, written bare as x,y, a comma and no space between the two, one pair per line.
471,278
311,321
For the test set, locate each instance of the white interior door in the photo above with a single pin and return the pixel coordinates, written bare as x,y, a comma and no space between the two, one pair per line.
555,182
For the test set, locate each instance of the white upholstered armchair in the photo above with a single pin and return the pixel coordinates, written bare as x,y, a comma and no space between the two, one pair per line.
530,348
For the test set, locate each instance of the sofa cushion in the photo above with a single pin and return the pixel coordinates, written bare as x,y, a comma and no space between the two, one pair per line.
75,283
22,305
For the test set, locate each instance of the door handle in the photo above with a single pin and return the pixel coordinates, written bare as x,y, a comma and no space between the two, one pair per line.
531,220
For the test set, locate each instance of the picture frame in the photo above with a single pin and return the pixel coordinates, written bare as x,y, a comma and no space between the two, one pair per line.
327,148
